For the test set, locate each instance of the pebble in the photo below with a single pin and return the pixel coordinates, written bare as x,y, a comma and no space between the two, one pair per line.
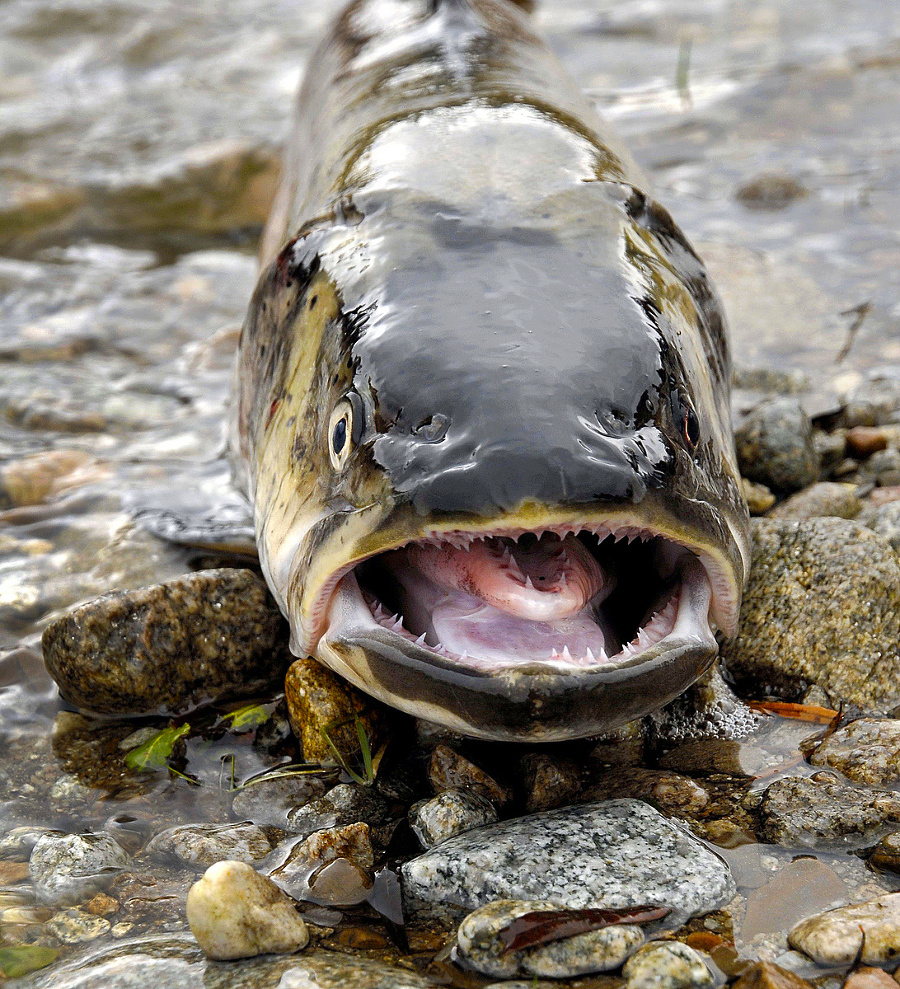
758,497
834,937
450,813
340,883
827,498
767,975
670,792
170,647
320,703
70,869
822,607
709,709
883,467
205,844
875,402
863,441
866,751
448,770
886,854
548,781
771,190
346,803
479,946
18,843
32,479
775,446
810,813
302,857
869,978
830,448
614,854
885,520
667,965
234,912
76,926
269,802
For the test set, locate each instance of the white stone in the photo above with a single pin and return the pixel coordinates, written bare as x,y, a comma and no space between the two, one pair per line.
834,937
667,965
234,912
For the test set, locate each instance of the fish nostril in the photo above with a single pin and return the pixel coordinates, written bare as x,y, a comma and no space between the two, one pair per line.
432,429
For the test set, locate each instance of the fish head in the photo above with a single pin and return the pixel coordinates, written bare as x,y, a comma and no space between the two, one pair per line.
494,479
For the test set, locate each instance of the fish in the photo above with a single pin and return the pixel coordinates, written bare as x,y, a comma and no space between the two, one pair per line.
482,392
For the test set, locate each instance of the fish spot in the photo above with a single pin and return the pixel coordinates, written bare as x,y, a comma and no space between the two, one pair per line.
312,302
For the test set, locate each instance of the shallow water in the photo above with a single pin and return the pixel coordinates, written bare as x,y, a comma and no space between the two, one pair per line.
138,153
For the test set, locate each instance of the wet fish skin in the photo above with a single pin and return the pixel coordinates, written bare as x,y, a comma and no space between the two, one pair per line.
463,254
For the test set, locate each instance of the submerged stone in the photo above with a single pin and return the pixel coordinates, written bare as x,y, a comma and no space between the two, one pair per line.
170,647
865,751
67,869
835,937
205,844
615,854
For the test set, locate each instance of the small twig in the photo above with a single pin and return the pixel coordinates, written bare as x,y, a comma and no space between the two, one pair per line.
859,314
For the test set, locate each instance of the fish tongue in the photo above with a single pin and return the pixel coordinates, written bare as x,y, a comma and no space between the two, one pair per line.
547,579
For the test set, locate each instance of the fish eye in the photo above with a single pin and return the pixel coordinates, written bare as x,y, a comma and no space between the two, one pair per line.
686,420
344,429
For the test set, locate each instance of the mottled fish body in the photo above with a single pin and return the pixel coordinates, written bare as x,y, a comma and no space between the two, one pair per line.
483,395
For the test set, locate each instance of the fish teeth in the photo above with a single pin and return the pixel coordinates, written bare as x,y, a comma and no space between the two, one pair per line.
528,584
554,654
421,640
566,655
588,652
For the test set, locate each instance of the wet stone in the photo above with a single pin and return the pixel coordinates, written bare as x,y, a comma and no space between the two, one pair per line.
202,845
614,854
340,883
32,479
834,937
771,190
809,813
70,869
827,498
76,926
767,975
479,946
775,446
234,912
271,801
450,813
548,782
758,497
886,854
170,647
322,707
667,965
675,794
865,751
822,607
448,770
302,857
707,709
346,803
18,843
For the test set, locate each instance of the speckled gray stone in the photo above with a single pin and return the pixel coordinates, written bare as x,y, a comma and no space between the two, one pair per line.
450,813
613,854
67,869
809,813
827,498
170,647
202,845
667,965
479,946
775,446
822,607
865,751
270,801
346,803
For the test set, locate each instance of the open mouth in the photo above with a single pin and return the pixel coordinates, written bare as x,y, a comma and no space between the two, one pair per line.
560,599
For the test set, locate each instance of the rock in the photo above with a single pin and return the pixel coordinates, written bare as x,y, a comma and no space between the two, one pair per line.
869,978
865,751
827,498
666,965
615,854
13,872
873,403
799,888
450,813
807,813
448,770
205,844
234,912
775,446
886,854
834,937
758,497
320,703
670,792
549,781
830,448
351,842
883,468
707,709
271,801
766,975
771,190
479,946
885,520
76,926
170,647
67,869
346,803
863,441
102,905
340,883
32,479
623,746
18,843
822,607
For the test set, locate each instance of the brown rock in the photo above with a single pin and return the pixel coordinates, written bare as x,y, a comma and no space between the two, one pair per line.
869,978
448,770
351,843
825,499
32,479
548,782
766,975
13,872
102,905
758,497
322,707
168,648
863,441
670,792
800,887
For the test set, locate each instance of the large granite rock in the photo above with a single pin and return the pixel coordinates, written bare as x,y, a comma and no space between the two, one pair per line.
613,854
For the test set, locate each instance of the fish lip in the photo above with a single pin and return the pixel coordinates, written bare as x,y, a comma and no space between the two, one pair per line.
725,593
